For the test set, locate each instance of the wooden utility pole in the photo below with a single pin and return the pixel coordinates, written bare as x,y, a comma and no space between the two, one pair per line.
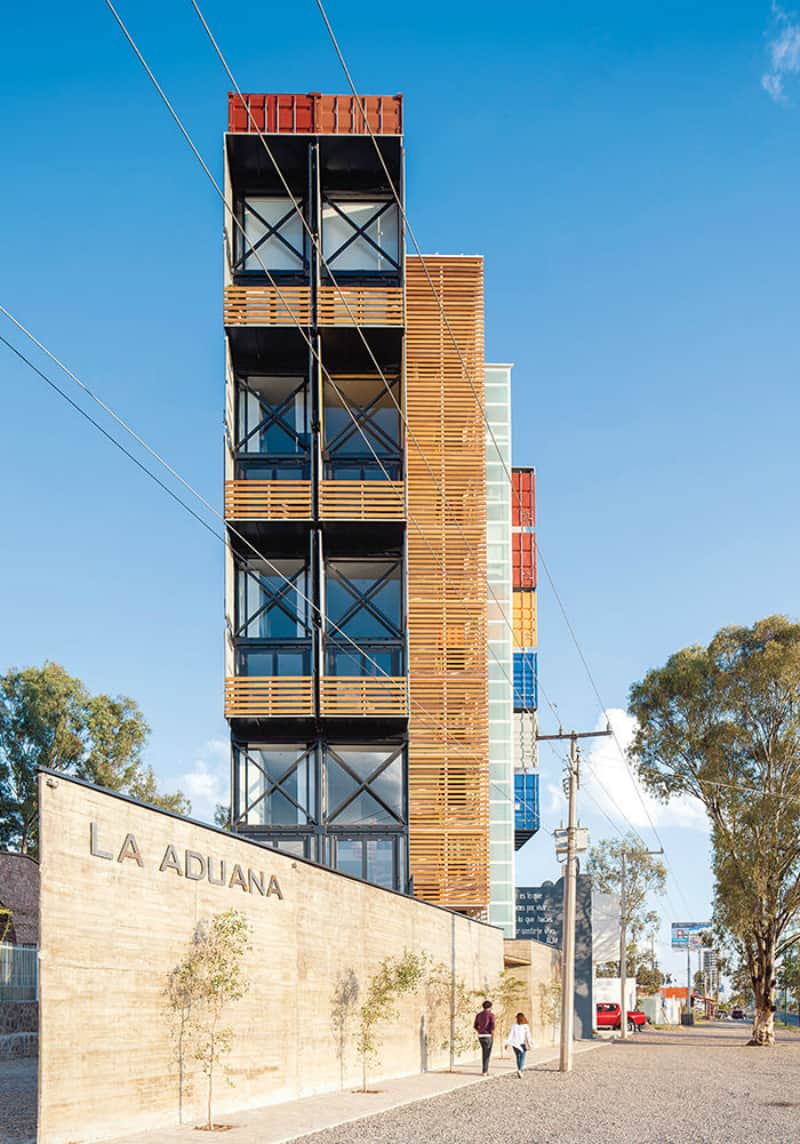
570,891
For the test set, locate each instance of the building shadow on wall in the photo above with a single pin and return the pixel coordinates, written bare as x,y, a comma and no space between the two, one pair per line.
344,1004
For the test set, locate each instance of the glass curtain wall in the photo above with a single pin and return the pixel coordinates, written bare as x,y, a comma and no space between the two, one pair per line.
501,663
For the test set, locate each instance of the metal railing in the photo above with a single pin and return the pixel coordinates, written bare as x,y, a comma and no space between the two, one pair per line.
19,972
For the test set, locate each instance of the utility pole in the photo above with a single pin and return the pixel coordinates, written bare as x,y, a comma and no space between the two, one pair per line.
570,891
623,948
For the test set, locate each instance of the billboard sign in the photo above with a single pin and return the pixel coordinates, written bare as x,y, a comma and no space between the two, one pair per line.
689,935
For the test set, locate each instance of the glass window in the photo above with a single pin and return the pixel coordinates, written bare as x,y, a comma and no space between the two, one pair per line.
380,862
274,661
265,470
364,786
273,415
362,235
272,599
364,597
343,659
273,235
375,423
349,856
276,784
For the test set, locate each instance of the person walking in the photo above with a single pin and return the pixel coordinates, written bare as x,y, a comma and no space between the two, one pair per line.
484,1025
520,1040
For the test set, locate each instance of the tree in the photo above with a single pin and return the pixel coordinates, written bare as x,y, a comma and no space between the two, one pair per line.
649,978
41,725
507,993
394,977
222,816
199,989
645,874
450,1005
722,723
49,719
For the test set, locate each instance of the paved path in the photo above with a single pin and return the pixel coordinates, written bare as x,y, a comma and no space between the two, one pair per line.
18,1101
660,1087
277,1123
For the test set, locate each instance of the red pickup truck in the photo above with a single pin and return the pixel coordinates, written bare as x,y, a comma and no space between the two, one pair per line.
608,1017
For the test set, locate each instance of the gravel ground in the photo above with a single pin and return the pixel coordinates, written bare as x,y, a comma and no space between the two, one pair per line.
18,1101
703,1085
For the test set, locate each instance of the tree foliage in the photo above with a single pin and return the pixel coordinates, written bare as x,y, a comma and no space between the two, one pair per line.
48,718
645,875
722,723
199,989
394,977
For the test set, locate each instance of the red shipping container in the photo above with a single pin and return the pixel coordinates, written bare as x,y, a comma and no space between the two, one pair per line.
523,559
315,113
523,498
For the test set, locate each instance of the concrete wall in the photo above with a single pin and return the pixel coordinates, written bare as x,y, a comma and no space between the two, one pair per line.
542,977
113,924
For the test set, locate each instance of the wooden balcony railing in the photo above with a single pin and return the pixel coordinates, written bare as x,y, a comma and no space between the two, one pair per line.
264,306
267,500
364,695
360,306
361,500
268,696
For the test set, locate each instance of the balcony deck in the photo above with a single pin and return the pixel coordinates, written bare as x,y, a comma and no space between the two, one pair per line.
362,500
364,695
268,500
269,697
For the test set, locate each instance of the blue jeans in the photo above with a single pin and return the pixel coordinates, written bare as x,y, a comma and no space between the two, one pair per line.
520,1055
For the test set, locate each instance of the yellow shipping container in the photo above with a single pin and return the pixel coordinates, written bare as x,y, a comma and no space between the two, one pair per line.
525,619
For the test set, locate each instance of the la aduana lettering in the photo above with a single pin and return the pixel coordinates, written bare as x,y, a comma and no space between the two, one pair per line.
191,865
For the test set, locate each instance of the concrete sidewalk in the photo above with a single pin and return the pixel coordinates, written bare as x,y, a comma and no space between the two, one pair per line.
278,1123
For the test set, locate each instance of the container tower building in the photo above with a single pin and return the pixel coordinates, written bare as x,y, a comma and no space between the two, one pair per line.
356,673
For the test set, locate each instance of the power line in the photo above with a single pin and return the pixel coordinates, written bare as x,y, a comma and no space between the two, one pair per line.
270,277
344,299
467,376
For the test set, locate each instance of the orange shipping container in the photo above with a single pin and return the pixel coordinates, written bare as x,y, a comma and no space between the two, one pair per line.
523,559
523,498
525,619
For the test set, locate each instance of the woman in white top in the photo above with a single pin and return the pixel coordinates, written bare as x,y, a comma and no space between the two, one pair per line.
520,1040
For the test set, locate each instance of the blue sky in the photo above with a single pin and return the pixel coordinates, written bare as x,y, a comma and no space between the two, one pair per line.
631,178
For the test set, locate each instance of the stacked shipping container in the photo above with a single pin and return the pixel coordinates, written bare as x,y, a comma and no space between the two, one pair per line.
526,698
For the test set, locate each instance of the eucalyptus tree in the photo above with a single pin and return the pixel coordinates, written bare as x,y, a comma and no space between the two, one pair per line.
49,718
722,723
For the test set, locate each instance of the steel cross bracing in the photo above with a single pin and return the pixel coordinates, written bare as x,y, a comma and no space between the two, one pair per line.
194,149
317,245
358,231
130,456
272,230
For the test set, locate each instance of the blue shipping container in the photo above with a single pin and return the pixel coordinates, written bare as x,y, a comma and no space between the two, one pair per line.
526,801
526,681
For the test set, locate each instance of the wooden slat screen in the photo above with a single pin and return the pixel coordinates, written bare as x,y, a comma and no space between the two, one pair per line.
268,696
447,608
267,500
363,695
361,500
367,305
264,306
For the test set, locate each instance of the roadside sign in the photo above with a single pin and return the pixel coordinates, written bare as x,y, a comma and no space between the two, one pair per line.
689,935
